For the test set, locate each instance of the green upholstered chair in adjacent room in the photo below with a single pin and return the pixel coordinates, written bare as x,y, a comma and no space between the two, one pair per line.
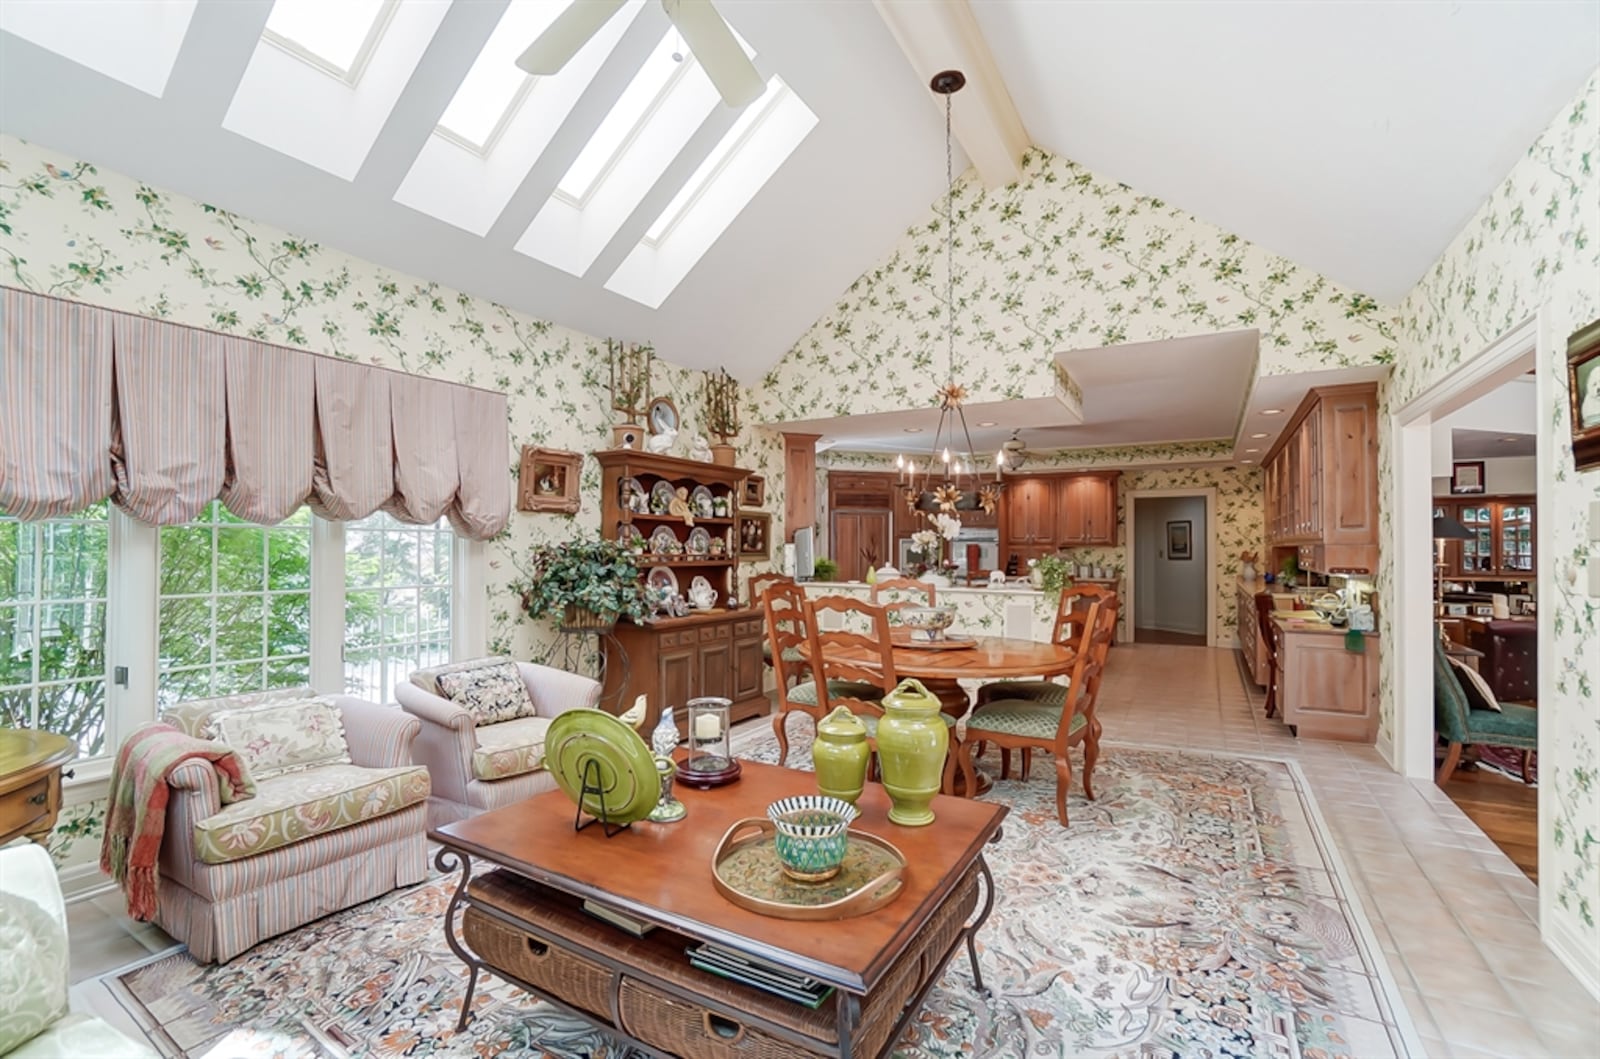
1458,724
788,634
1028,724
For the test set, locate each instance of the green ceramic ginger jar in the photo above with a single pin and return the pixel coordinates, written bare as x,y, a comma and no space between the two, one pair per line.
841,754
912,743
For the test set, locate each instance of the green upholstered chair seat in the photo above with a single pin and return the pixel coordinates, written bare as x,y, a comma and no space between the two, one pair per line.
1044,691
791,655
871,723
1021,718
806,694
1514,726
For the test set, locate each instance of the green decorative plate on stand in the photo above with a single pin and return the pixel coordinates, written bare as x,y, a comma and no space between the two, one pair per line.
603,766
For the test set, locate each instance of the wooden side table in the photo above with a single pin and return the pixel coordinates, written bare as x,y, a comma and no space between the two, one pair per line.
30,781
1467,656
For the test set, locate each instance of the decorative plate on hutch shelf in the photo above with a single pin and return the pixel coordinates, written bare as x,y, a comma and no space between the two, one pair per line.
699,541
664,542
700,502
628,536
631,496
661,496
662,577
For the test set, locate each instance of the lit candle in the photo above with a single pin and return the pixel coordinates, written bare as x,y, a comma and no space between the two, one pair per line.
707,726
947,455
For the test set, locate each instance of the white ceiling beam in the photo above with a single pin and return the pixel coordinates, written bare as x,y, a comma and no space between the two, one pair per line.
945,36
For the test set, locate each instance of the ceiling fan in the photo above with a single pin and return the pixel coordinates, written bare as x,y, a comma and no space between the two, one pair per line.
703,30
1016,452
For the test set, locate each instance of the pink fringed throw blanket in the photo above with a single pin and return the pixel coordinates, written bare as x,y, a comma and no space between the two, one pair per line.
137,812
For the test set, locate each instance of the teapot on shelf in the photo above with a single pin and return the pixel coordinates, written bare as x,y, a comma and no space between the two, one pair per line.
702,595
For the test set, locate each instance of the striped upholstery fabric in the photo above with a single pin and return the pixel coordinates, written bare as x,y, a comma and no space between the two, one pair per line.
353,473
428,679
55,382
482,504
194,716
168,451
271,406
426,476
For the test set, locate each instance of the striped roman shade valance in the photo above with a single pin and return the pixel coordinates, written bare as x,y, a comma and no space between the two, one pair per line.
163,419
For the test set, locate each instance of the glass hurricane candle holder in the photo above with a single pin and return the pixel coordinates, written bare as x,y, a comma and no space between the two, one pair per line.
710,743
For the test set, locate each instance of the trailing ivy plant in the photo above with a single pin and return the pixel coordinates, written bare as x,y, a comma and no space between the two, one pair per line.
588,573
1055,575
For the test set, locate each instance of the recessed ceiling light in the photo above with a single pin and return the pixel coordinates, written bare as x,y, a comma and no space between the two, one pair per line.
990,423
1252,450
1510,439
1272,411
1258,435
1247,461
912,430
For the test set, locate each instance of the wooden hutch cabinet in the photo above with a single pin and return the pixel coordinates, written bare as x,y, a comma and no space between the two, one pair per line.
1501,548
1321,481
672,660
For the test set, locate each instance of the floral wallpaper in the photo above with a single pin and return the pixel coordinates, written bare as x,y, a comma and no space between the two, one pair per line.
1062,260
1238,513
1534,246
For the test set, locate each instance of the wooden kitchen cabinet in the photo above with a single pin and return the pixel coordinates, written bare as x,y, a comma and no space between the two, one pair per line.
1327,691
853,536
1086,510
1252,641
677,659
1321,481
1045,513
1031,512
1502,545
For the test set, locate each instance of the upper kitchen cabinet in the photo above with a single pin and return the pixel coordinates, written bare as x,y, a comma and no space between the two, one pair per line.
1030,513
1501,546
1321,481
1086,509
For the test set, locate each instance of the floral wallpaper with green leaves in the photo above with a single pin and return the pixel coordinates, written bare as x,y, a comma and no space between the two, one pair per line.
1534,246
1062,260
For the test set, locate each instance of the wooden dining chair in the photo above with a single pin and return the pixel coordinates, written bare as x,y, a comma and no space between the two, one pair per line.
1026,724
790,629
1273,637
897,589
858,666
758,587
1070,630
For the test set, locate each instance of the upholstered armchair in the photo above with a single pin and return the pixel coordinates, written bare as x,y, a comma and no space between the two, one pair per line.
35,1020
1459,724
315,838
479,765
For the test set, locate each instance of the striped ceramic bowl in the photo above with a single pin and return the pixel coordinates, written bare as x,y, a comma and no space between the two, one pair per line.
812,832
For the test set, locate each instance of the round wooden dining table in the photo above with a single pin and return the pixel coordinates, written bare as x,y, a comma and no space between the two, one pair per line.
941,667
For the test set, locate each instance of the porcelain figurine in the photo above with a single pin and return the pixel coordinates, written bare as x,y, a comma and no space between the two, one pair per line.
700,449
678,507
664,740
662,443
912,743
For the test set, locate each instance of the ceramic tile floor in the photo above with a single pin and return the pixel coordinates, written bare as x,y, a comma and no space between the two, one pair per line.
1454,916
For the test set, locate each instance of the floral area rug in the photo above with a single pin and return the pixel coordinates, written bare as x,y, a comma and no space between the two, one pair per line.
1196,909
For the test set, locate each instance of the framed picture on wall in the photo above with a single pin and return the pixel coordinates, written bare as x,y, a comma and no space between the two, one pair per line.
754,535
1583,386
1180,539
1466,476
755,491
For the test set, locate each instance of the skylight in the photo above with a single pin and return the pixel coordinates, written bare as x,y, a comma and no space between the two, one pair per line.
494,88
736,169
640,100
132,41
337,38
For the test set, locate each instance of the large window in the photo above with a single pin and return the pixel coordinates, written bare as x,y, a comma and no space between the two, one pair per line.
53,626
396,603
235,606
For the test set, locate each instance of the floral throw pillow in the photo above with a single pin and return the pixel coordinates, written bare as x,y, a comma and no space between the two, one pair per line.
491,694
283,737
33,975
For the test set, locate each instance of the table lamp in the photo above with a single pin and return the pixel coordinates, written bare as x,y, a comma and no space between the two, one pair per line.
1445,528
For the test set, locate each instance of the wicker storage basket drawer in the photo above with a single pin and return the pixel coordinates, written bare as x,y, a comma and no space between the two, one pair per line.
691,1031
578,981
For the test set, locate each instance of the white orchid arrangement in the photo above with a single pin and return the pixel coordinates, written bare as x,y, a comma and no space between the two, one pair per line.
946,526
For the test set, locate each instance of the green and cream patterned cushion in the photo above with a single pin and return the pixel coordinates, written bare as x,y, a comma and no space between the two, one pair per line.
282,737
194,716
806,694
428,679
300,805
509,748
34,971
492,694
1029,720
1044,691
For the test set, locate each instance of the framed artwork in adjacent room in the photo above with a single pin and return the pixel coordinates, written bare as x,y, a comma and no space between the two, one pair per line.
547,480
755,491
1466,476
1180,539
1583,386
755,535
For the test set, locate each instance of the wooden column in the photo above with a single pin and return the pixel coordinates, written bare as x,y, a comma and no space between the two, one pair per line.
799,482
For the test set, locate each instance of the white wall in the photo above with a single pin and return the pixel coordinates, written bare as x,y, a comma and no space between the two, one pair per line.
1507,475
1171,593
1511,409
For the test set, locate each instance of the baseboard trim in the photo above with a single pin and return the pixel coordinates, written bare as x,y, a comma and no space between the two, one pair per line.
83,881
1582,962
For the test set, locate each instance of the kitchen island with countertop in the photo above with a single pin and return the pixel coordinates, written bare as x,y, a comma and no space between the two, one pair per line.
1016,610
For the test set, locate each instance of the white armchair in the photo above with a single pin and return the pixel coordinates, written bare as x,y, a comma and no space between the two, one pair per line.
477,767
33,982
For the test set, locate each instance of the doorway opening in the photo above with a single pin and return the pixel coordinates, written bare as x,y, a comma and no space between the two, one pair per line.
1466,495
1172,572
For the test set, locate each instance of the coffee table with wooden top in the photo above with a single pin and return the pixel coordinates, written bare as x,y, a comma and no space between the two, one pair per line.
524,921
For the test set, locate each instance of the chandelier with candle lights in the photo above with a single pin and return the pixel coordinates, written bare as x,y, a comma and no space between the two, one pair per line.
947,479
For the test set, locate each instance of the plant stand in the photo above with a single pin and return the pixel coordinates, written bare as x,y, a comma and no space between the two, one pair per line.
593,651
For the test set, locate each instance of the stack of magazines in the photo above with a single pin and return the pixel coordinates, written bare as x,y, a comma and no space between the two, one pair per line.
779,981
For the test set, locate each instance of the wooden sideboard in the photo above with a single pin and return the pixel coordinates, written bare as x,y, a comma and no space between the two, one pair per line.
30,781
1321,482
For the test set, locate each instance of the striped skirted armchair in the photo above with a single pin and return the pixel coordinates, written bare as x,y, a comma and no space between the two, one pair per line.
335,820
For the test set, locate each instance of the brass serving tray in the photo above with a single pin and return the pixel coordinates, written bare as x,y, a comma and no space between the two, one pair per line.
745,870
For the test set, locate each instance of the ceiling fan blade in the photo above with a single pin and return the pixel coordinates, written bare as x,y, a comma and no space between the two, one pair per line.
716,50
571,30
